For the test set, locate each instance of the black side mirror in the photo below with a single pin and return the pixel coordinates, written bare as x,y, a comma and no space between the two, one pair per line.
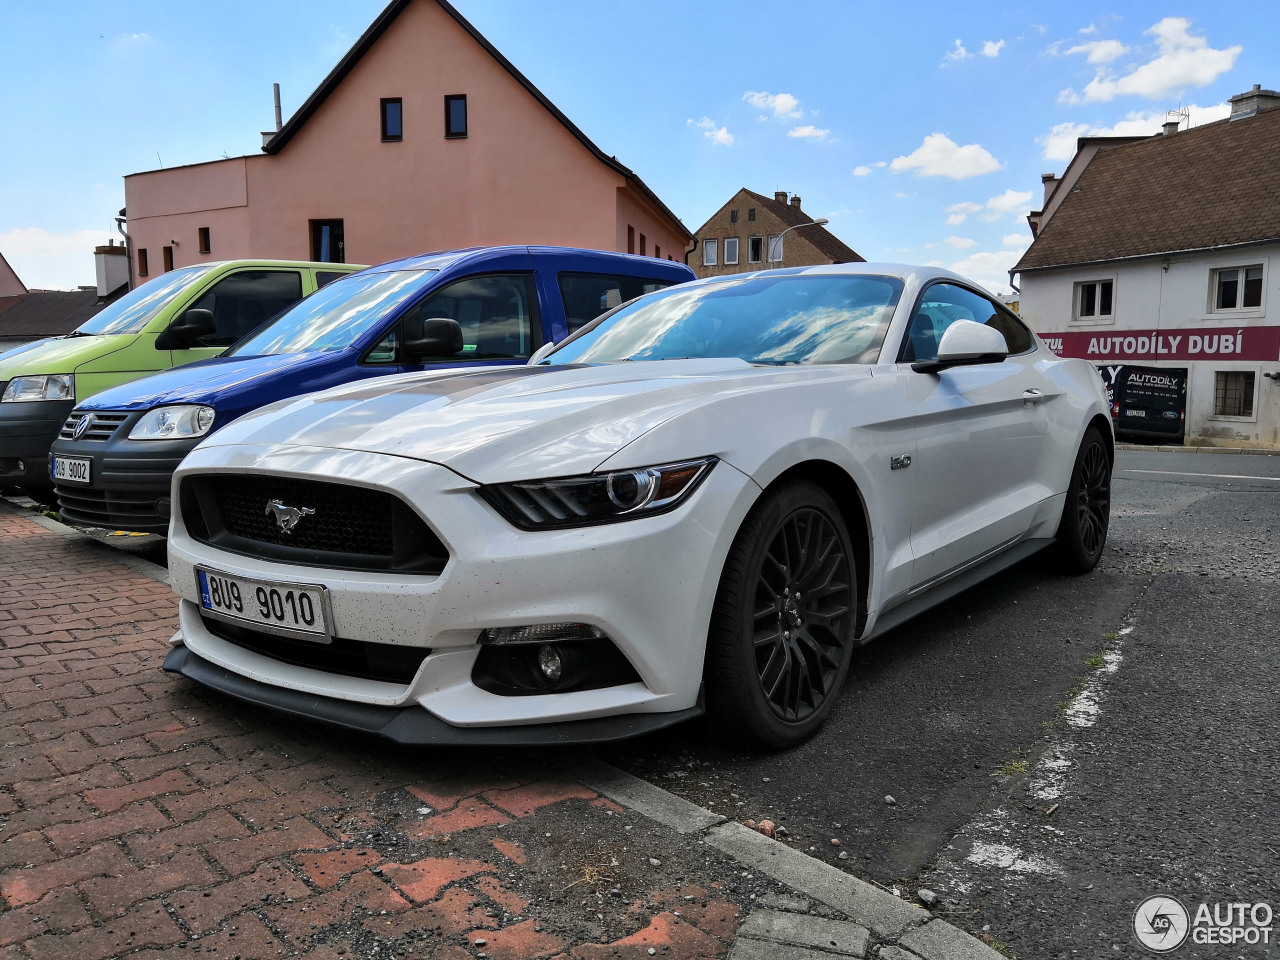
433,337
186,330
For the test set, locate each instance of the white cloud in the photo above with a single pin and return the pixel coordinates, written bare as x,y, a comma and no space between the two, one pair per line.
940,156
992,48
959,211
52,261
783,105
717,135
962,243
989,268
1011,201
1184,61
1016,240
861,170
958,52
1060,142
808,132
1091,28
1100,51
899,196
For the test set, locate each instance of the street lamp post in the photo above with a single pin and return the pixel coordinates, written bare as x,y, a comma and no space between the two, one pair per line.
777,241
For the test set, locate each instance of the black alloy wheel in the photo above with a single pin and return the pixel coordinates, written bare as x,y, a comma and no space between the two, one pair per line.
782,629
1086,515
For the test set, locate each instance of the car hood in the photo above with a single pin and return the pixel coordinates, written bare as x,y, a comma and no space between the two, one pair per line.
496,424
60,355
218,382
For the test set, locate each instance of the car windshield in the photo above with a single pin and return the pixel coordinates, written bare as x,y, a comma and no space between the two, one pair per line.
766,320
132,312
335,316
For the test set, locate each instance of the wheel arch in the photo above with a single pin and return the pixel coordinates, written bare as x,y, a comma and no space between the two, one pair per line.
1108,434
845,492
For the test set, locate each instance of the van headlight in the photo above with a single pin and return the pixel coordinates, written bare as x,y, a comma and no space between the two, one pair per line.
53,386
173,423
597,497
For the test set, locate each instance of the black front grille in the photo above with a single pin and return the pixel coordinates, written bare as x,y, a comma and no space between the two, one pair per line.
103,426
335,525
389,662
124,509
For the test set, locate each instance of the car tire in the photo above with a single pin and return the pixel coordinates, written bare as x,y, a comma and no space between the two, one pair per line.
1086,515
782,628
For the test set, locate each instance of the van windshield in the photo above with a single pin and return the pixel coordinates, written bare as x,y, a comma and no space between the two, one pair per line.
335,316
132,312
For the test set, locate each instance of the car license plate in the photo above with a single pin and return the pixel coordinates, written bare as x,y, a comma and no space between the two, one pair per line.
1135,413
74,469
267,604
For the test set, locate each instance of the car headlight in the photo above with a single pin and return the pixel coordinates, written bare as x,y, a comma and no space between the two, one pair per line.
597,497
173,423
53,386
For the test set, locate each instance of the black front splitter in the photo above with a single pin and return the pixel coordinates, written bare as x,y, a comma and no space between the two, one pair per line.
414,725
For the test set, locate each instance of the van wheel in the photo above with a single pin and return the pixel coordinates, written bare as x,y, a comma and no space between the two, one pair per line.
781,633
1086,516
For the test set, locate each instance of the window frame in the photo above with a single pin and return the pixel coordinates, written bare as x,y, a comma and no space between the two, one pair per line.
711,247
144,264
1252,417
449,132
204,239
166,257
241,275
1000,308
768,248
1077,298
383,103
759,259
1238,311
736,244
733,216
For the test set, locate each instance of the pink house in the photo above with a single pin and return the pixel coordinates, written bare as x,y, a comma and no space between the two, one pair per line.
423,137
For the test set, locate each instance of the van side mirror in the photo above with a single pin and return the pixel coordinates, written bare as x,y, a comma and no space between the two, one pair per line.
432,337
186,330
963,343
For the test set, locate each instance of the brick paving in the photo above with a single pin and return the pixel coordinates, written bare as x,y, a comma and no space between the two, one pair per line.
144,816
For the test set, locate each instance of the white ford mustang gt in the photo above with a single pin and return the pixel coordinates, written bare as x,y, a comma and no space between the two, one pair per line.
703,500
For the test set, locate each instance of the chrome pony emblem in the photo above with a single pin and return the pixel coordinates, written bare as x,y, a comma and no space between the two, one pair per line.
286,517
82,426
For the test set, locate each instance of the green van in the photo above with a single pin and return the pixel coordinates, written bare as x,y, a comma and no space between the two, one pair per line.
184,315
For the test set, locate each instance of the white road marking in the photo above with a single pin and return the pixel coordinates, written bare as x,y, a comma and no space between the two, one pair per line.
1215,476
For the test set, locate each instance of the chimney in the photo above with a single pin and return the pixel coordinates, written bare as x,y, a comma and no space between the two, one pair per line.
780,196
111,266
1170,127
1253,102
268,134
795,201
1050,181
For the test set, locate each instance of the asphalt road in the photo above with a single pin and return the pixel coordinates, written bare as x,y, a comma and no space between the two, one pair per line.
974,719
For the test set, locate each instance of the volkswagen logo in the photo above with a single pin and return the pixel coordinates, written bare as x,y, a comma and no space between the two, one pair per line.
287,517
81,428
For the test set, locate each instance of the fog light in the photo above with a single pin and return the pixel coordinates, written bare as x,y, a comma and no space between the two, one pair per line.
541,633
162,507
549,663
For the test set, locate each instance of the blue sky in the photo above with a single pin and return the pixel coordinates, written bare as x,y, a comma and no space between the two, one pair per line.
920,130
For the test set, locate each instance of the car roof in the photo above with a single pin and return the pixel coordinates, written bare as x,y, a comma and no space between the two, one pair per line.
920,273
470,256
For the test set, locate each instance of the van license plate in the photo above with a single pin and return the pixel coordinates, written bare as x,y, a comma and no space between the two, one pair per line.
1135,413
277,607
73,469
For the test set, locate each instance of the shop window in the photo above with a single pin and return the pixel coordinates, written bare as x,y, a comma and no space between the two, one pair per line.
1237,288
1233,393
1095,300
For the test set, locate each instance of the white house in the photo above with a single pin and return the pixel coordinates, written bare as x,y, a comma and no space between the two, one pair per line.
1163,253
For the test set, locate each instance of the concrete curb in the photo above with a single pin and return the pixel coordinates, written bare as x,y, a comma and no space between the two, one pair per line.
890,919
1166,448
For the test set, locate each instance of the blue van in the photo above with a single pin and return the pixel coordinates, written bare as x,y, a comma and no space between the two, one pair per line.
115,456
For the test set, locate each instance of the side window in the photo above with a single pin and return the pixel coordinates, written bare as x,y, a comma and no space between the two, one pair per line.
243,301
326,277
587,295
495,313
942,305
386,350
648,286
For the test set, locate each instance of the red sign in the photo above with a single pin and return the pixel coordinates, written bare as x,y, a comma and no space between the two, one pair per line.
1203,343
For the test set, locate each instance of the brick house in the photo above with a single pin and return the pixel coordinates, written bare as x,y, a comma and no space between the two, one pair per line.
740,236
423,137
1153,258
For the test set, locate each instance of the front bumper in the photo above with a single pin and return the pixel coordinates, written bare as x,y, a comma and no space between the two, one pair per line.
26,432
648,584
129,480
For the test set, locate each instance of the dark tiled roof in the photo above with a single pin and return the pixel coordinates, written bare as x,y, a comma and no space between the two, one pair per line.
47,313
827,243
1212,186
379,27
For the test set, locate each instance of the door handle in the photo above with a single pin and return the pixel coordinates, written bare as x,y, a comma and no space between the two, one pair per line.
1032,396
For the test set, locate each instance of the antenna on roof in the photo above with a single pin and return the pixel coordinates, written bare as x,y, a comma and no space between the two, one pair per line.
1181,116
